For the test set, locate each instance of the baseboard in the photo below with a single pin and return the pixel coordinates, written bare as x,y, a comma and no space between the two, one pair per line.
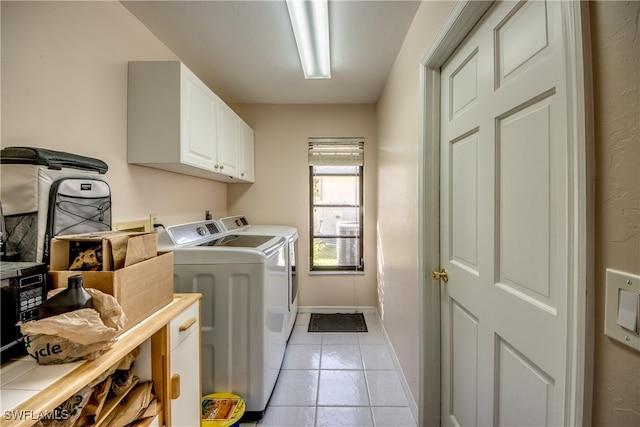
336,309
405,385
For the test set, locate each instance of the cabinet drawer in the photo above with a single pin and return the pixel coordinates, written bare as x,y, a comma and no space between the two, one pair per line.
185,324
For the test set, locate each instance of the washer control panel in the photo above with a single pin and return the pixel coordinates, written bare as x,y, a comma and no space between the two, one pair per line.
234,223
194,232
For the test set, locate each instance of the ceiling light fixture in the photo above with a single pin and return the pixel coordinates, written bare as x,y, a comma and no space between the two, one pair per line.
310,22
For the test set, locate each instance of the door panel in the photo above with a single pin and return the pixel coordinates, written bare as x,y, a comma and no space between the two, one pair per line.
516,372
464,352
464,203
523,34
464,86
523,167
504,213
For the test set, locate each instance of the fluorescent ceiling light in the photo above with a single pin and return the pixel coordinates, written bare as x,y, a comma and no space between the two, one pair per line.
310,22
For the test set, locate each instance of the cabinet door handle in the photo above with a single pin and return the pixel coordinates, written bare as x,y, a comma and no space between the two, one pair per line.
175,386
187,324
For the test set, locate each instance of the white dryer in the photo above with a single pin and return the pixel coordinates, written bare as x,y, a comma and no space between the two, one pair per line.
245,306
239,224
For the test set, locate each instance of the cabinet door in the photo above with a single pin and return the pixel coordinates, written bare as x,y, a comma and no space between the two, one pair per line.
228,147
245,136
199,124
185,368
185,364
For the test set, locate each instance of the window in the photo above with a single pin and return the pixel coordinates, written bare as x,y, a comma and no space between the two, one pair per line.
335,187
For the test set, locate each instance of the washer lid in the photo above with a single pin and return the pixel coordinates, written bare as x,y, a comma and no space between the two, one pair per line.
239,224
239,241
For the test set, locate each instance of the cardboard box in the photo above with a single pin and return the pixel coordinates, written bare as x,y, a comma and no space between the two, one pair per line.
141,288
118,249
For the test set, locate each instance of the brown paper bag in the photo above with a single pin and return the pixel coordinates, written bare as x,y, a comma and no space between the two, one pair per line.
134,403
79,334
95,403
125,364
68,413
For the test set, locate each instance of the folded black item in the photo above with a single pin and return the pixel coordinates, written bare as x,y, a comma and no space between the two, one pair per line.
50,158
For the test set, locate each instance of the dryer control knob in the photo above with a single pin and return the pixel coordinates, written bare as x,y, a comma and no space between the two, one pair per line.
201,231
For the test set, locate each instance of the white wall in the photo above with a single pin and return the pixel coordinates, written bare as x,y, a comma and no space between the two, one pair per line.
397,226
64,87
280,194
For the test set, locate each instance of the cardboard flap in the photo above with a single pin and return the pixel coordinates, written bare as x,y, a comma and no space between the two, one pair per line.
118,251
141,248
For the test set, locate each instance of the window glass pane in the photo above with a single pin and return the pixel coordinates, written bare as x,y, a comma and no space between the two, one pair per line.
333,221
335,190
336,252
336,215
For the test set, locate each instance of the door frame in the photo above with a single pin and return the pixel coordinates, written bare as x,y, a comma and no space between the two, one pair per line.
461,20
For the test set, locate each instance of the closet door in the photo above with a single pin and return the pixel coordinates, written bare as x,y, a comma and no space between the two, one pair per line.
505,218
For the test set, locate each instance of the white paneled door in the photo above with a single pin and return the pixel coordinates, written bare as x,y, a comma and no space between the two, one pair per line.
504,212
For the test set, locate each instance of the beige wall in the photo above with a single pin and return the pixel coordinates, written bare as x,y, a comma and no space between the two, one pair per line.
398,125
280,194
64,87
615,30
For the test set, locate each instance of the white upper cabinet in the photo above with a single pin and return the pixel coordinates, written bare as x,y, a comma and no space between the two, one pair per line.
176,123
228,154
245,136
199,132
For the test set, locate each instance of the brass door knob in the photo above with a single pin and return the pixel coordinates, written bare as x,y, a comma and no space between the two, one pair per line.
441,275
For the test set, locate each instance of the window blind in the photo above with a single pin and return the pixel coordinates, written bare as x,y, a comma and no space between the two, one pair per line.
336,152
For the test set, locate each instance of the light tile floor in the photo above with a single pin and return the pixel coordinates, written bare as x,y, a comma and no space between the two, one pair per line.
338,379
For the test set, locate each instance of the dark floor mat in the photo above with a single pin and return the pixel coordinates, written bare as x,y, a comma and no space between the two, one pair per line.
337,322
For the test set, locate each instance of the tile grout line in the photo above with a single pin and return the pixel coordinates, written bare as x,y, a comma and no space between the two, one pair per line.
366,382
323,344
315,410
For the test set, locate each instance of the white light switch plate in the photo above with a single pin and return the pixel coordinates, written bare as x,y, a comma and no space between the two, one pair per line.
621,287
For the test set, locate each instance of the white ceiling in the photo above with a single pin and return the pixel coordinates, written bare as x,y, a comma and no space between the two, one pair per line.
246,53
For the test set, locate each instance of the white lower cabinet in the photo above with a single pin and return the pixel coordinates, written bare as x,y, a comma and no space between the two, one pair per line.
185,388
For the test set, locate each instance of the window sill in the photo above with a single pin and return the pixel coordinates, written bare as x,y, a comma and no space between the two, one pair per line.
336,273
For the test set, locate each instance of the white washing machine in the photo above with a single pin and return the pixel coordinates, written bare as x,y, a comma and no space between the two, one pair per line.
245,306
239,224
